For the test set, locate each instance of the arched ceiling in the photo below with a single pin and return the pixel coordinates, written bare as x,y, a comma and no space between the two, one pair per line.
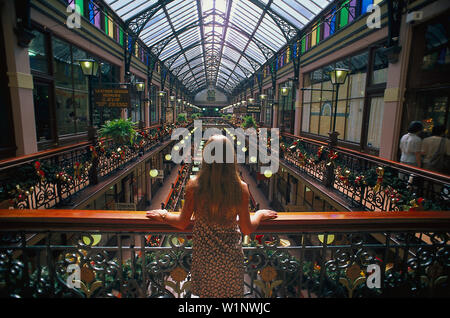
216,43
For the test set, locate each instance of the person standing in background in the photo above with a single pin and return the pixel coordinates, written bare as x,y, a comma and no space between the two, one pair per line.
411,145
435,149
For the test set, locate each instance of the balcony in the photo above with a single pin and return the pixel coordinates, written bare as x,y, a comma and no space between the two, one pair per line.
56,178
362,181
317,255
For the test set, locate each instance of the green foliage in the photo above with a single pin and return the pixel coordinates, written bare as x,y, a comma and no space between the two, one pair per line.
249,122
122,131
195,115
226,116
181,118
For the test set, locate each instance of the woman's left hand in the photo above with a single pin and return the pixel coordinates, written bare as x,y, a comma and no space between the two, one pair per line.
156,215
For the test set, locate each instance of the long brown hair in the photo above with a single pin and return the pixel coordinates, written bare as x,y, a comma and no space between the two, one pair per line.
218,189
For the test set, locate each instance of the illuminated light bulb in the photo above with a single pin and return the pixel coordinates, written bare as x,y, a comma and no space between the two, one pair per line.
330,238
253,159
244,149
87,240
238,143
168,157
176,148
182,142
267,173
153,173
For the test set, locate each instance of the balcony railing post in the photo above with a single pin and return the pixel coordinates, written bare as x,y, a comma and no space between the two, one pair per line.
93,171
329,176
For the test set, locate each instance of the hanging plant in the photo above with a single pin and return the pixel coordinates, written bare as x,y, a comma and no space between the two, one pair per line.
121,131
249,122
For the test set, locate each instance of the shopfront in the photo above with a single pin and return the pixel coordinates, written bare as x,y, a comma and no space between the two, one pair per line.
428,87
360,100
61,91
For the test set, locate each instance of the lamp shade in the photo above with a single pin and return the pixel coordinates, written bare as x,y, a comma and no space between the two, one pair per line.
251,100
89,67
263,96
140,86
161,93
172,98
339,75
284,91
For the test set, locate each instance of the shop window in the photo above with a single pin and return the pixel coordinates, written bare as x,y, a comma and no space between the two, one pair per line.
61,95
38,53
437,46
286,107
380,66
375,122
42,111
353,100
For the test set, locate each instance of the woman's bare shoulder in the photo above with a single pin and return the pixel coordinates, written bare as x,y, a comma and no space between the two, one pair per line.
244,187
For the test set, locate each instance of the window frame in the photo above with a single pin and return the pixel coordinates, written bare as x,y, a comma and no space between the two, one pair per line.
371,91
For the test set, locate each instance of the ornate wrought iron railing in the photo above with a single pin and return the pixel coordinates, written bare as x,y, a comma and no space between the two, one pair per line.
366,182
52,178
68,253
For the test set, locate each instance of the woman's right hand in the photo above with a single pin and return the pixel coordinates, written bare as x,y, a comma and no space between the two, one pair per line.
267,214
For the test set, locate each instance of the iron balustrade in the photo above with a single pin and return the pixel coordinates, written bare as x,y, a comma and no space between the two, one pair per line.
55,177
91,253
367,182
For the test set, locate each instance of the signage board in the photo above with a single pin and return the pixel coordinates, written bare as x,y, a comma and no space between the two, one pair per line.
112,97
253,109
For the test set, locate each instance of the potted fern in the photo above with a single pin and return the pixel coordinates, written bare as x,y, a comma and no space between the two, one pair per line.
121,131
249,122
181,118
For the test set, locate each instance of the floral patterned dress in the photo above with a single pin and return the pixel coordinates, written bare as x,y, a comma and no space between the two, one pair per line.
217,260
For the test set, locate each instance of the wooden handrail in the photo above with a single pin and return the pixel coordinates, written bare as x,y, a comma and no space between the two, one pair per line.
10,162
287,222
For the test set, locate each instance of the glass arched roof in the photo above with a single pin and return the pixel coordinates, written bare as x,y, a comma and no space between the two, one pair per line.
216,43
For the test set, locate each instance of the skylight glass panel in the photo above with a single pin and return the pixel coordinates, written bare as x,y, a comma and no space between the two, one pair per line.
236,39
290,15
156,20
189,37
176,3
179,61
127,9
254,52
170,51
194,53
269,34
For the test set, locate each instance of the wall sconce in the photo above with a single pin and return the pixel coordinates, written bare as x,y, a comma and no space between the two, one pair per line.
140,86
284,91
89,67
339,75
